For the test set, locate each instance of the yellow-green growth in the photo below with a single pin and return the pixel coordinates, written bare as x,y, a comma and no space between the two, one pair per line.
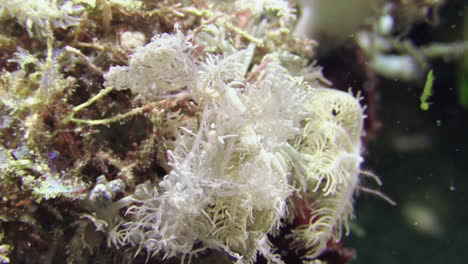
427,92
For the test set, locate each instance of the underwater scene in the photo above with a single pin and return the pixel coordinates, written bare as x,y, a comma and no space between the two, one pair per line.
233,131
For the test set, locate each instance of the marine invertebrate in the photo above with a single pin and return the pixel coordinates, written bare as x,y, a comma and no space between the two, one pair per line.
209,138
327,158
256,144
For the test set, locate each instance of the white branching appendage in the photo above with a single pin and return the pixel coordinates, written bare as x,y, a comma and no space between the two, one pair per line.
256,145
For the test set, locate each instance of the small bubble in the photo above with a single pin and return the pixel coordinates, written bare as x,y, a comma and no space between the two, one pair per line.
452,188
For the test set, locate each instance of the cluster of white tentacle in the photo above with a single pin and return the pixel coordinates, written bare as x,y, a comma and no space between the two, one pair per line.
256,145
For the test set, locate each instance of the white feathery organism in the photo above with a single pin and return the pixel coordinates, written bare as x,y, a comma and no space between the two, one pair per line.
162,66
329,214
223,75
329,150
327,160
256,144
278,101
